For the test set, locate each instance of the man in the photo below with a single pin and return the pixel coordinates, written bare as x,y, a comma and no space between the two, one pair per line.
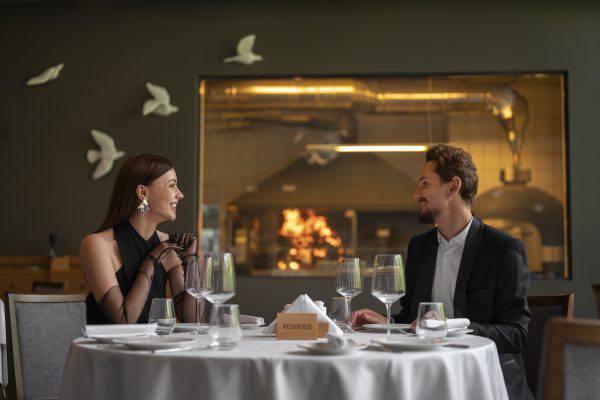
476,271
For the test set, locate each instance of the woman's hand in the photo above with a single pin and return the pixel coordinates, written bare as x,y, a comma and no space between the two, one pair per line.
186,241
166,254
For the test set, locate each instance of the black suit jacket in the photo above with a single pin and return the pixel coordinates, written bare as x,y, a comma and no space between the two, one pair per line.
491,290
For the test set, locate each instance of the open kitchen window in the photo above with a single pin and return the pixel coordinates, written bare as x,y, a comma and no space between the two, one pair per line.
296,172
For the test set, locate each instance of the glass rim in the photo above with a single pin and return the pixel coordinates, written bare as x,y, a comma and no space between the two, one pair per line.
430,303
218,253
169,299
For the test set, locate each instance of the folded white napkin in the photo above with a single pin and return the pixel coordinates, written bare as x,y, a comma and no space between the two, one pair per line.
336,341
115,329
246,319
303,304
433,323
249,319
458,323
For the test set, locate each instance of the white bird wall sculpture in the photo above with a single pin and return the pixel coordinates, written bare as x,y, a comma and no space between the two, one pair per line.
160,104
48,75
107,155
245,55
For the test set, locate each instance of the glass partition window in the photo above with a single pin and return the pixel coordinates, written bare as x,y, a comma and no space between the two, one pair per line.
297,172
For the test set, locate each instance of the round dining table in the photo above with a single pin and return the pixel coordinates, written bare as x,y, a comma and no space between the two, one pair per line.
262,367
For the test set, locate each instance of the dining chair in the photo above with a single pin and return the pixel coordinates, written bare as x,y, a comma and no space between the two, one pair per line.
596,289
40,329
571,361
3,353
47,287
542,307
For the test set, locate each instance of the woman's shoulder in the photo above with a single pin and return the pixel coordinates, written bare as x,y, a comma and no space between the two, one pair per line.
98,240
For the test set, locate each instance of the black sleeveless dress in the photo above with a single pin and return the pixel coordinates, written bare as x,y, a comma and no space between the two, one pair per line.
133,248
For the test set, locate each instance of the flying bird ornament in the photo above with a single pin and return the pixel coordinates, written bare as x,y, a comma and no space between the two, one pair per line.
245,55
107,154
48,75
160,104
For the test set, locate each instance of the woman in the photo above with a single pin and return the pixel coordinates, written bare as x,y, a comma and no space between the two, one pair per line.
126,261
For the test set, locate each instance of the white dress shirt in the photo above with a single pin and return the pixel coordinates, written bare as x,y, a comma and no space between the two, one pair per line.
447,263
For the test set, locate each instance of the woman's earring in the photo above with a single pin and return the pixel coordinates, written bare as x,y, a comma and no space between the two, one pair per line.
144,207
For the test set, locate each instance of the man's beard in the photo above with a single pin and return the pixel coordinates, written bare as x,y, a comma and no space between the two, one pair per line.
428,217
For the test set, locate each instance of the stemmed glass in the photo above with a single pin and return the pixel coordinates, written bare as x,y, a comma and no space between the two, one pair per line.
193,284
217,278
388,281
349,281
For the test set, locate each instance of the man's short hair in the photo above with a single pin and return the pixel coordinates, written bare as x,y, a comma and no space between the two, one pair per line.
453,161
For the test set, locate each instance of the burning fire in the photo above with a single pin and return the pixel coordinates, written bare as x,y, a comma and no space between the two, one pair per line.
309,238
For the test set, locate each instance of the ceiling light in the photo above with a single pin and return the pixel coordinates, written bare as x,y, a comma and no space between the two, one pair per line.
368,148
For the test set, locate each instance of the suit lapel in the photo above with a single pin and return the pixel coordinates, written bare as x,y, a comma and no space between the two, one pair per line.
466,265
426,274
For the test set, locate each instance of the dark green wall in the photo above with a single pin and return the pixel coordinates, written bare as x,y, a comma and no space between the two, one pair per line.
111,50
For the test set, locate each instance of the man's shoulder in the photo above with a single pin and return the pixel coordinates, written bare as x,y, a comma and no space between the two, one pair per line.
423,238
496,237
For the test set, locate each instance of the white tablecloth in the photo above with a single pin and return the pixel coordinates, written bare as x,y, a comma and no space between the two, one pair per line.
265,368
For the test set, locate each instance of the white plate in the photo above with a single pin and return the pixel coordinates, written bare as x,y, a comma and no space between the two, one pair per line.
384,327
459,331
108,338
191,327
158,342
248,327
408,343
323,349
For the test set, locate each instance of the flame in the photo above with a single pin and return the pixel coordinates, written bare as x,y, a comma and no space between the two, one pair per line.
309,238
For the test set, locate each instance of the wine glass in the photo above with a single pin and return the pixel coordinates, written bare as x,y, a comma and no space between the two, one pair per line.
349,281
193,284
162,312
388,281
217,280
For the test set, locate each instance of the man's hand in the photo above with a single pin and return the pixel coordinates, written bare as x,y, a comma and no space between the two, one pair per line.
366,316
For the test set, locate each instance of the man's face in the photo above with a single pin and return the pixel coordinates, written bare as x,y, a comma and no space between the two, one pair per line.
431,194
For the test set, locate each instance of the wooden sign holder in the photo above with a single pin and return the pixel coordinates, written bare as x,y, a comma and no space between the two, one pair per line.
300,326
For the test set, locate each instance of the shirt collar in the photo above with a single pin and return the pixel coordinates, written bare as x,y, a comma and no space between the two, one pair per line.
458,239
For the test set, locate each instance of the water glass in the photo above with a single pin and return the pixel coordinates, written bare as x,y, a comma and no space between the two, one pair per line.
340,313
162,312
225,331
218,278
387,283
431,321
193,284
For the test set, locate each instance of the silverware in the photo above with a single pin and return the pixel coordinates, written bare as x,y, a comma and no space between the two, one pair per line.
457,345
172,350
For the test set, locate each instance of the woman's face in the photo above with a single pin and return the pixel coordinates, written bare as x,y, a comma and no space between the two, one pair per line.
163,196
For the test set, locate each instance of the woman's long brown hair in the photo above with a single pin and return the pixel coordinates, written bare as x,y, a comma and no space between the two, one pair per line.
141,169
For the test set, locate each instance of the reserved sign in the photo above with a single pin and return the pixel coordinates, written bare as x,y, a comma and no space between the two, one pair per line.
300,326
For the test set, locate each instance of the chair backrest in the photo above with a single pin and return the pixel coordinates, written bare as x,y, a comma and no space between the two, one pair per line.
542,309
571,362
47,287
41,328
596,289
